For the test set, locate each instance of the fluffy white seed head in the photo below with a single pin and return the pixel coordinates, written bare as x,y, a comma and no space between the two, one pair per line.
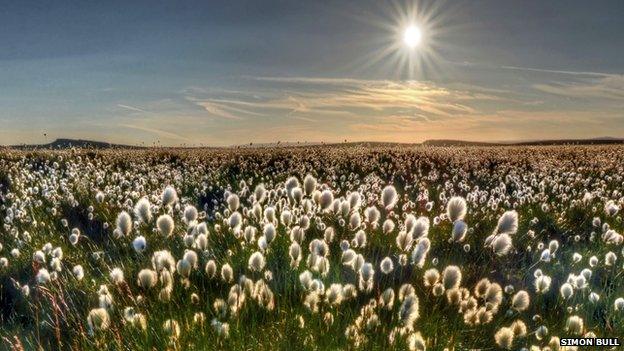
542,284
184,267
610,259
421,227
190,214
256,262
389,197
574,325
124,223
326,199
520,301
165,224
98,319
235,221
386,265
211,269
227,274
419,254
355,220
147,278
233,202
388,226
99,197
169,196
431,276
139,244
78,272
541,332
372,214
459,231
409,311
142,210
618,304
456,208
269,232
451,277
43,276
294,251
504,338
507,223
566,291
502,244
117,276
309,184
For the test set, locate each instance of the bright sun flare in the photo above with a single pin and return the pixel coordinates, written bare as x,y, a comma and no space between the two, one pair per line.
412,36
410,40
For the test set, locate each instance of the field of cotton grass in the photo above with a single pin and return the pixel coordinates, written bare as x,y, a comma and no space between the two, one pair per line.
311,248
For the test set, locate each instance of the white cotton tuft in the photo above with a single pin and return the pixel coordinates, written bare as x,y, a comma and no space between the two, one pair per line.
386,265
139,244
459,231
456,208
309,184
124,223
142,210
169,196
389,197
507,223
165,225
256,262
451,277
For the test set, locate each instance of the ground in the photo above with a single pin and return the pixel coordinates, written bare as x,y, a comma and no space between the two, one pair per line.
316,247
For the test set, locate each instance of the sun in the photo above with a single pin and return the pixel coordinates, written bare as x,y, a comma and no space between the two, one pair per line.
409,40
412,36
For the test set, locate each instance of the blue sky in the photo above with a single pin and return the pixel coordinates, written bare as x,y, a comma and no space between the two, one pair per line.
234,72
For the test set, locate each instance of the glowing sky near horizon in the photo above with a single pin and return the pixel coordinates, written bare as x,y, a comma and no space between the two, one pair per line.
233,72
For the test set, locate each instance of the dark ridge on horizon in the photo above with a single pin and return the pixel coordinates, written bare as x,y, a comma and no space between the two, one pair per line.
545,142
66,143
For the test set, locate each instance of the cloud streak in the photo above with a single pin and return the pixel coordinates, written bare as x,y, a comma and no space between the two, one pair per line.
605,87
323,98
131,108
157,132
332,109
573,73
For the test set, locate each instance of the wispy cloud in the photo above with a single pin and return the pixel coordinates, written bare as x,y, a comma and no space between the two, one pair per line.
547,104
409,111
158,132
319,80
221,110
554,71
604,87
328,98
131,108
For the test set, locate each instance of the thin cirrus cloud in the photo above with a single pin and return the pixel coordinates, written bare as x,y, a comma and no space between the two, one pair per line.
221,110
541,70
602,87
334,109
131,108
579,84
158,132
313,99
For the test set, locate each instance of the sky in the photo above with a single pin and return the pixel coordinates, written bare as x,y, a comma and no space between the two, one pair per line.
219,73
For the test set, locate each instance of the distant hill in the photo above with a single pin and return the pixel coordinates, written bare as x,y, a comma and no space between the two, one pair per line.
593,141
324,144
451,142
77,143
65,143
